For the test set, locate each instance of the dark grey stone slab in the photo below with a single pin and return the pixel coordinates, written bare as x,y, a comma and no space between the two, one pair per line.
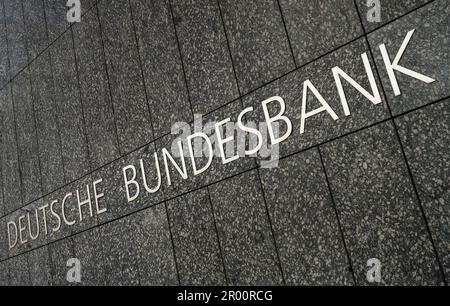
69,107
217,170
2,208
4,60
26,137
378,209
100,125
195,240
128,92
389,10
113,184
56,16
47,127
304,222
258,41
425,135
151,238
427,53
244,232
10,158
36,30
18,271
321,127
17,36
4,253
85,247
4,277
88,250
39,267
60,252
137,249
163,71
121,261
317,27
205,54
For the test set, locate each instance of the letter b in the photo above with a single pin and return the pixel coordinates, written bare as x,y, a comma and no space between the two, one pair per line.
279,117
131,181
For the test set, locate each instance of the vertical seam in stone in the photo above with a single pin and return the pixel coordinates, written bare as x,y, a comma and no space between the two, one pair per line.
46,28
8,275
28,269
229,50
169,4
287,33
280,264
52,94
35,132
26,39
360,18
218,237
116,130
57,109
27,67
15,131
173,243
142,70
23,71
88,155
30,76
2,209
50,261
341,231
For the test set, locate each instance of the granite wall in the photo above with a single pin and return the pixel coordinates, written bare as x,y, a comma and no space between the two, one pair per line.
78,102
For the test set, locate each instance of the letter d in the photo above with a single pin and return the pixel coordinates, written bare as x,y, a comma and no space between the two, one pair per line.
11,245
191,152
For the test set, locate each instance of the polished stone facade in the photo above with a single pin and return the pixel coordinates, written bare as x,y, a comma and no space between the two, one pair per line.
78,102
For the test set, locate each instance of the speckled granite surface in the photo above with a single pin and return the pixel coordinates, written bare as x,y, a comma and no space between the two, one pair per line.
78,102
